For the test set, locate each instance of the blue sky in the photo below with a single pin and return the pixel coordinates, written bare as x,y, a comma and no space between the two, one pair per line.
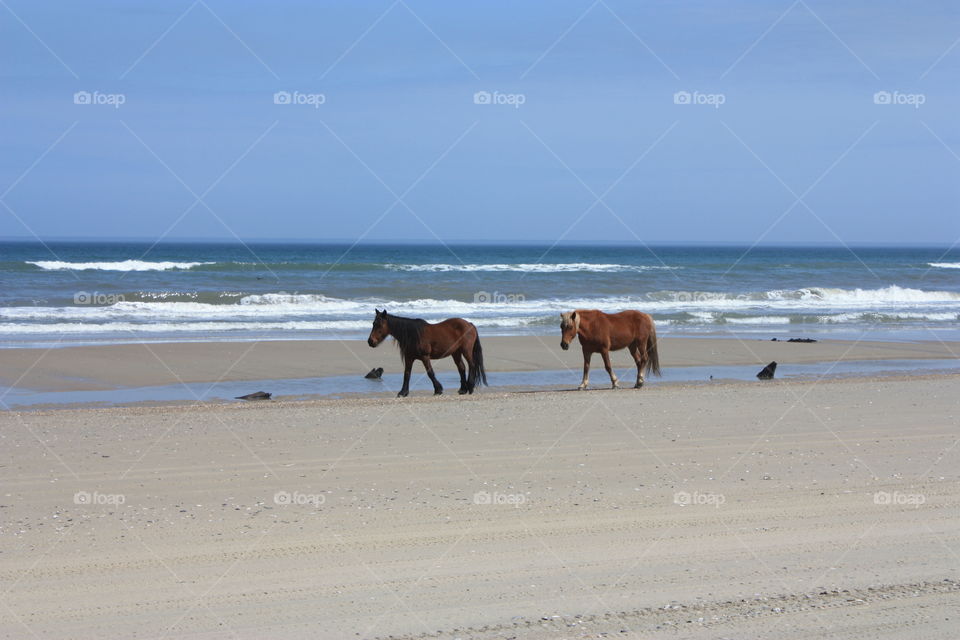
599,149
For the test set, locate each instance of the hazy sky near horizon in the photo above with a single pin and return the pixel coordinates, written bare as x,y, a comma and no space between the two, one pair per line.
607,120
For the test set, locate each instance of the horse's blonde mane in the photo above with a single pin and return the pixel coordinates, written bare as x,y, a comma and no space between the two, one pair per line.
567,319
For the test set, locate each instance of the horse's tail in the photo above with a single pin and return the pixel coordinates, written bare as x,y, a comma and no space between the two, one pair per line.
653,358
477,372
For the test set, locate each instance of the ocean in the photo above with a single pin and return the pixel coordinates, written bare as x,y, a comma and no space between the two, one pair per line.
69,293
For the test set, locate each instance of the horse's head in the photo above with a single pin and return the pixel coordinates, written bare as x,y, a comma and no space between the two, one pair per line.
569,326
380,328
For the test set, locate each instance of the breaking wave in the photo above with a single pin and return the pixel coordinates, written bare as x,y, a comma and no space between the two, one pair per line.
530,267
231,311
122,265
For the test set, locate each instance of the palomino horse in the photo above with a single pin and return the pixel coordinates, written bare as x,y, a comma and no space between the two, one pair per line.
606,332
420,340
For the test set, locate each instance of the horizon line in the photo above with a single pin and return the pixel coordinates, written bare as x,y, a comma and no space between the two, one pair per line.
472,241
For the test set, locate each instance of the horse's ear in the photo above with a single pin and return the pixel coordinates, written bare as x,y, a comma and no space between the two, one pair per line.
573,316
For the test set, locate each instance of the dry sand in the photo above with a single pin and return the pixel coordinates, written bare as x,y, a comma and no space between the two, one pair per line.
715,511
139,365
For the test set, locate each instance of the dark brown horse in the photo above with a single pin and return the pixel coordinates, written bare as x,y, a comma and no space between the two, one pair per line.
606,332
420,340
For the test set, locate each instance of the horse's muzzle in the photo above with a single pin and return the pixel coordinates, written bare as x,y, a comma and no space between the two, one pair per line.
564,345
371,342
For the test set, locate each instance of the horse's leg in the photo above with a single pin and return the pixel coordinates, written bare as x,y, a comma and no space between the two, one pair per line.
407,367
605,354
639,356
437,387
468,356
586,369
458,360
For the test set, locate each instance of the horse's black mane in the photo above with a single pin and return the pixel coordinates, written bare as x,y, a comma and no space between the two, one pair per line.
407,332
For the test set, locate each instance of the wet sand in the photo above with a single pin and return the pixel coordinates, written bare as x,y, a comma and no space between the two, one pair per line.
139,365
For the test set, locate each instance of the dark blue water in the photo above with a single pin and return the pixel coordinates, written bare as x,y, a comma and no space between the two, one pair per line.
69,293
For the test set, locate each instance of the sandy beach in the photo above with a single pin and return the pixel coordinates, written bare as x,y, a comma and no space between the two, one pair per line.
758,510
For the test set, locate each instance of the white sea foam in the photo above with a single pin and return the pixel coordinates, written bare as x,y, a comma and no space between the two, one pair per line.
891,294
807,298
529,267
759,320
181,327
812,298
317,312
889,316
945,265
122,265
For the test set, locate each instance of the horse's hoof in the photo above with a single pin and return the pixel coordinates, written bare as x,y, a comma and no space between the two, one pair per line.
463,391
639,385
582,387
438,392
402,394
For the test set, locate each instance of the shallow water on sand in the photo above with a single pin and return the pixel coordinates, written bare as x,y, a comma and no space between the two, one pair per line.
356,386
